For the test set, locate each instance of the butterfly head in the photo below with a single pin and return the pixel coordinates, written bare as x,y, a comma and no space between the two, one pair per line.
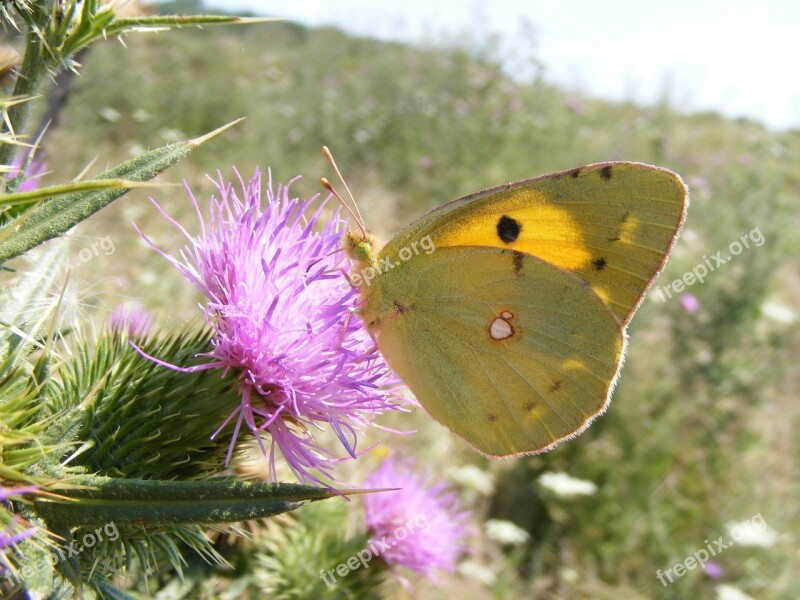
360,247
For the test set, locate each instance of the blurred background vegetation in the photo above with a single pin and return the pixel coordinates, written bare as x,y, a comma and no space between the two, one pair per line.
701,431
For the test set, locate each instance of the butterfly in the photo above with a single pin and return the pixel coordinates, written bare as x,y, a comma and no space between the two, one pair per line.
505,312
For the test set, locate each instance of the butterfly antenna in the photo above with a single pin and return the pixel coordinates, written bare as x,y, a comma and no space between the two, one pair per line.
327,185
357,216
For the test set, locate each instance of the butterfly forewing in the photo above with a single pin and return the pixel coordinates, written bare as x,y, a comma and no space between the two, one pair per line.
612,224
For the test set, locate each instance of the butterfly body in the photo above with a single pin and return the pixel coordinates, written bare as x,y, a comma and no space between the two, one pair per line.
505,311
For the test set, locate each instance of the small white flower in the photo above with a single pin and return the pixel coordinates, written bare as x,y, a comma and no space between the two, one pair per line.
149,278
477,571
778,312
141,116
570,575
565,486
506,532
361,136
135,149
470,476
690,244
171,134
753,532
109,114
729,592
690,236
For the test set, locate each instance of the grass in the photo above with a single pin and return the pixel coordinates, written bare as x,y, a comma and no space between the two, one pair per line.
701,429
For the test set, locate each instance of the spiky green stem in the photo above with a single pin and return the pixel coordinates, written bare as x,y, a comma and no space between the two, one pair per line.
28,84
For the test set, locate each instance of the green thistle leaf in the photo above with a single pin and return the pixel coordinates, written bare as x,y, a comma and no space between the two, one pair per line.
157,504
23,199
56,217
159,23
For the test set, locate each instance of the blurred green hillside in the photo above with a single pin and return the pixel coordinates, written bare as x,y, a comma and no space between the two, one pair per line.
702,428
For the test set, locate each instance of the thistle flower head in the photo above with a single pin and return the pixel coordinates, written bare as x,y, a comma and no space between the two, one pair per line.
282,313
419,526
131,319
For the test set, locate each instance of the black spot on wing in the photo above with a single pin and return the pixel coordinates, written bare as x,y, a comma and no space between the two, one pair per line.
555,387
508,229
600,263
605,172
491,418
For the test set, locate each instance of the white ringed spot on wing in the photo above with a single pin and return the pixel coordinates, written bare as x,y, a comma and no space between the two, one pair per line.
501,328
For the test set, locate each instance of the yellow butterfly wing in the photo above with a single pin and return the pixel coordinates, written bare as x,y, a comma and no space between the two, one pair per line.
510,326
611,224
510,352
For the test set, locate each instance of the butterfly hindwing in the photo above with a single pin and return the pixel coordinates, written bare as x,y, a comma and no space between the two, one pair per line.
512,353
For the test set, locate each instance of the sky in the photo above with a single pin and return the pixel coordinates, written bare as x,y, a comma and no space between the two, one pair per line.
735,57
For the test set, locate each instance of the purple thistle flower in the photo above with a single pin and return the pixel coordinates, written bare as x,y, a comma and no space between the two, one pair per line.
13,532
32,173
421,523
690,303
714,570
131,319
575,104
282,313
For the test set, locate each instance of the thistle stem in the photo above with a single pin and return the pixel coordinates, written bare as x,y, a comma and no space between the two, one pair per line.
29,80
